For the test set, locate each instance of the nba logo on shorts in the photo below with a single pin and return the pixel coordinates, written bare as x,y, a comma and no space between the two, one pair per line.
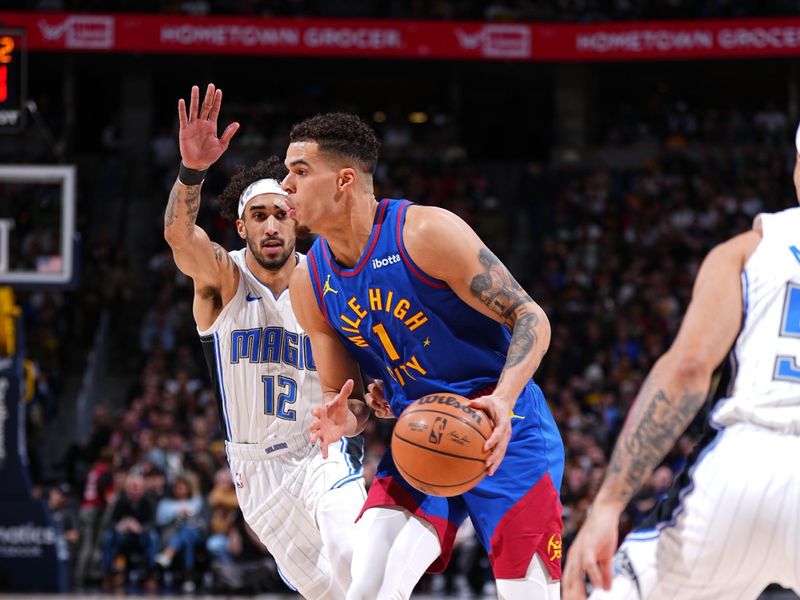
238,479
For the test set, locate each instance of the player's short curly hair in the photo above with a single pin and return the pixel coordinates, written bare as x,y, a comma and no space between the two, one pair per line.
343,135
271,168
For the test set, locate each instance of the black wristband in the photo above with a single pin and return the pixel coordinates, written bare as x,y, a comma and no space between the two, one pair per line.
189,176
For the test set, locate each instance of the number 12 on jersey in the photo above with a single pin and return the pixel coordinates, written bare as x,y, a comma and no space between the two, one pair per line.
787,367
287,396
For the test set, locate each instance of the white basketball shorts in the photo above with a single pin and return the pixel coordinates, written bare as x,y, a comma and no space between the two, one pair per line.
279,484
735,530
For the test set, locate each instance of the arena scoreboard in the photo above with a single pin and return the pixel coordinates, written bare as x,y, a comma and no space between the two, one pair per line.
13,79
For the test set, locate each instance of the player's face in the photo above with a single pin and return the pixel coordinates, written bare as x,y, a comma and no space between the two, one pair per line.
268,230
311,184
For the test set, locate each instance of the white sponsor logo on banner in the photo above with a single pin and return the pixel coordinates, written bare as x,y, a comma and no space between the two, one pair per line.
27,533
25,541
229,35
81,32
658,40
372,38
498,41
759,37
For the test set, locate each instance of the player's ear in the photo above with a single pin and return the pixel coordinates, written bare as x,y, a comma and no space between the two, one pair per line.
240,229
346,179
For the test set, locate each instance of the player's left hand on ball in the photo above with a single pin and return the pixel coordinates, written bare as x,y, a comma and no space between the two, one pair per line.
376,400
500,415
330,419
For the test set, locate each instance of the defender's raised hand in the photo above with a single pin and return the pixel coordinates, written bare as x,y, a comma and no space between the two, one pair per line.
199,144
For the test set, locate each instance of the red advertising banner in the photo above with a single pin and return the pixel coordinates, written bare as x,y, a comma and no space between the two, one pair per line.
668,40
467,40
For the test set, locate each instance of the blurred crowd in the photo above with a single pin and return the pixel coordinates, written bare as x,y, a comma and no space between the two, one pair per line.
493,10
678,123
147,502
617,257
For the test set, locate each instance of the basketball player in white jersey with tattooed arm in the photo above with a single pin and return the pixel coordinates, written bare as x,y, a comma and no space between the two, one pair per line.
302,507
733,526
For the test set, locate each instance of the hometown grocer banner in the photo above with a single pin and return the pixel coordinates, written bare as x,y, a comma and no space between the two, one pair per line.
467,40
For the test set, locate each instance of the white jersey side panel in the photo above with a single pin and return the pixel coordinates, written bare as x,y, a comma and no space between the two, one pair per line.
766,387
260,362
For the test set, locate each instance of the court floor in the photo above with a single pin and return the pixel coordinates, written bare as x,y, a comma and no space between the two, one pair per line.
778,595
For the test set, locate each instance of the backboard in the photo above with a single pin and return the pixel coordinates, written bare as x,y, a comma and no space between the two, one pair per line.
37,225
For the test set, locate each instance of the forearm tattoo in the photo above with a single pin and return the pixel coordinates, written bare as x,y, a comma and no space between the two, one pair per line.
651,431
498,290
187,196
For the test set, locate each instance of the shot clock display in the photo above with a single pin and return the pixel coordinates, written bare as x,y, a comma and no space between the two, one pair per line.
12,80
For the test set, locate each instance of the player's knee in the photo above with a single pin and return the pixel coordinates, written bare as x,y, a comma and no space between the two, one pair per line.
340,555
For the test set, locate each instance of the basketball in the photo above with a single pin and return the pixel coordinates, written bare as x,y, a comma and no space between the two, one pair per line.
437,444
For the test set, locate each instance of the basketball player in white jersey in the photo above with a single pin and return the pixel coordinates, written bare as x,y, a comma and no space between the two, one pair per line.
734,527
302,507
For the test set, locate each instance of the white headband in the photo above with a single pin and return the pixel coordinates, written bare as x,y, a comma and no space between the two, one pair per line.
797,139
262,186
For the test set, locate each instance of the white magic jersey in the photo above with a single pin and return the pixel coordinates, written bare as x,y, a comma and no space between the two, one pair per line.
766,385
260,362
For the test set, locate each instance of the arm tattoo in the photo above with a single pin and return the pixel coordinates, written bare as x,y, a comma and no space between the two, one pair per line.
498,290
649,434
169,216
522,340
188,196
220,253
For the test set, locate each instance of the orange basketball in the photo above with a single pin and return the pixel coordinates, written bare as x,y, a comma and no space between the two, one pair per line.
437,444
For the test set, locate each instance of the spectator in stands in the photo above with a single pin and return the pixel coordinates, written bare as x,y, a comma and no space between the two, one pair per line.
131,533
96,494
64,518
183,520
224,512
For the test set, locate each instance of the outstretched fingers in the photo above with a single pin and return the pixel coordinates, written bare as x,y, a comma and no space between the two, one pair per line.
215,106
208,102
317,427
228,134
183,121
194,102
346,390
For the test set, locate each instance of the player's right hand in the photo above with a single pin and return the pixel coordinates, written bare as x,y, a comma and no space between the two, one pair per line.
330,420
591,553
200,147
377,401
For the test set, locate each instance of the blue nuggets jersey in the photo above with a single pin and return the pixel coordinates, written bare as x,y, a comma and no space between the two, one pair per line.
401,325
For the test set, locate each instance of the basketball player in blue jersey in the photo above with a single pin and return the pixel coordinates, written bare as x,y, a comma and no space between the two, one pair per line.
412,296
731,524
301,505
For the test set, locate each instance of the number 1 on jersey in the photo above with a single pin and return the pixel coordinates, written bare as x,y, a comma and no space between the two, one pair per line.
787,367
289,396
387,344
